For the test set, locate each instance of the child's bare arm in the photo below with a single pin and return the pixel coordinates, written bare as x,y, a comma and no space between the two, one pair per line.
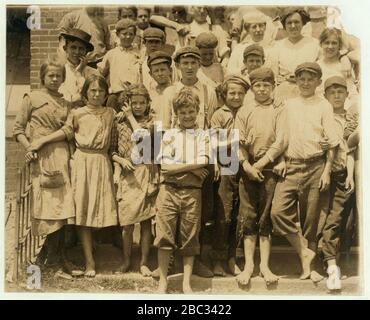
350,184
325,177
53,137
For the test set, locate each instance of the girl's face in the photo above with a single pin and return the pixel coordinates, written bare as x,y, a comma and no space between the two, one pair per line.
294,25
75,51
262,90
257,31
96,95
139,105
331,46
53,78
235,95
126,37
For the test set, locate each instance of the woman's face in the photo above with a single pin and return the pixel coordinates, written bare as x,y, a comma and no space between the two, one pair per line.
96,94
139,105
294,25
331,46
257,31
53,78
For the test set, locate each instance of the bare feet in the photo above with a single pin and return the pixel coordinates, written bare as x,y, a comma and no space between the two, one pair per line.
162,287
306,260
124,268
186,288
244,277
316,277
218,270
268,276
90,270
145,271
233,267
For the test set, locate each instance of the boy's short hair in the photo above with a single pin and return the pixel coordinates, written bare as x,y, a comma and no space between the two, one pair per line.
125,24
185,98
206,40
311,67
52,61
262,74
94,77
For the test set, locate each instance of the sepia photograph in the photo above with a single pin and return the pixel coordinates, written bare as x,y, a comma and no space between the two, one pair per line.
183,149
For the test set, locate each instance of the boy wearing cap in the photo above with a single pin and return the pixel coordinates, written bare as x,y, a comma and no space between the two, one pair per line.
342,182
309,118
210,71
178,217
233,89
121,65
262,141
77,45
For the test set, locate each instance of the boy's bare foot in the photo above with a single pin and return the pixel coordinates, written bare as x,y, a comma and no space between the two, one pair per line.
124,268
162,287
233,267
186,288
306,260
268,276
145,271
316,277
218,270
244,277
90,273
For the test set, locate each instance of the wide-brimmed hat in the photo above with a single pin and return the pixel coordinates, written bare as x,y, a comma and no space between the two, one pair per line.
80,35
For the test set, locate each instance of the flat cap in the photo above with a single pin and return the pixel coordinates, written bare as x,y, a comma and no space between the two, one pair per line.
254,17
340,81
188,51
254,49
206,40
159,57
312,67
262,74
234,78
125,24
153,33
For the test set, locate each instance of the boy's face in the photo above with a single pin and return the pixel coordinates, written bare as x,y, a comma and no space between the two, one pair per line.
127,14
294,25
331,46
142,18
139,105
257,31
200,14
235,95
126,37
161,73
262,90
187,116
95,94
75,50
207,56
336,95
189,67
53,78
153,45
253,62
307,83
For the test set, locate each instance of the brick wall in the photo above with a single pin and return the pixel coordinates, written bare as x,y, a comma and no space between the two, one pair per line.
44,42
14,160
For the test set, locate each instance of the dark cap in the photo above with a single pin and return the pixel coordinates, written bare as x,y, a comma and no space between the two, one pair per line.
159,57
80,35
153,33
312,67
206,40
262,74
125,24
254,49
188,51
234,78
340,81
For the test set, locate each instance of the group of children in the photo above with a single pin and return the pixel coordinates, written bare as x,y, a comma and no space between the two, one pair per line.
295,157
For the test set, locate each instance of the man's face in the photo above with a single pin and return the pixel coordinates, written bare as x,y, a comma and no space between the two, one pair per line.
262,90
161,73
252,62
187,116
75,50
307,83
294,25
142,19
126,37
153,45
200,14
235,95
336,95
127,14
189,67
257,31
207,56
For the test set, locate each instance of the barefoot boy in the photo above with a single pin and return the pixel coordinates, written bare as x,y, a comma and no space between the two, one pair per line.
308,118
262,141
179,201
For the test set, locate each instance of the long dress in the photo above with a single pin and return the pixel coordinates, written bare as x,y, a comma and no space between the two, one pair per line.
136,190
52,201
92,174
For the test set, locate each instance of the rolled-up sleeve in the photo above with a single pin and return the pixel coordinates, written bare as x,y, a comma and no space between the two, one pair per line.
22,117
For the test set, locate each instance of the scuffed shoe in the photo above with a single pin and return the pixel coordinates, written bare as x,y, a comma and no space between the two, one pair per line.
333,282
202,270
